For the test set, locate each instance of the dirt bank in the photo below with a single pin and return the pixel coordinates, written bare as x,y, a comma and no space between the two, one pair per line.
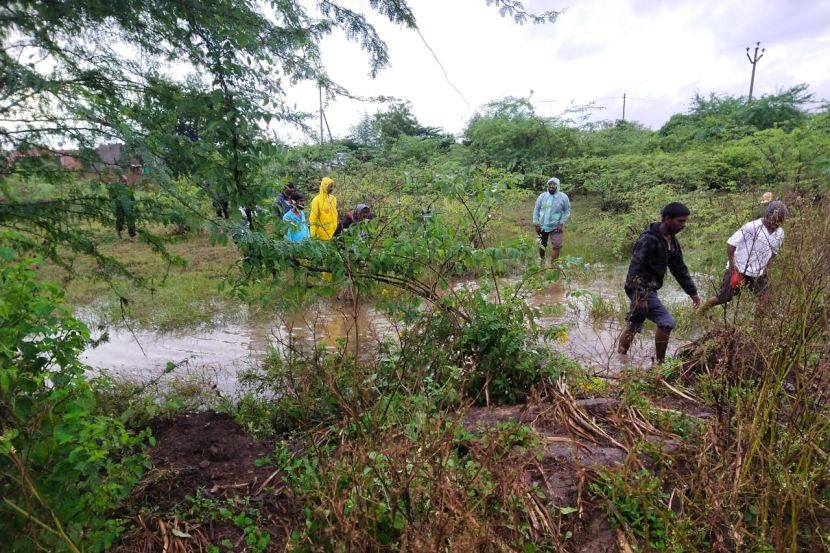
209,454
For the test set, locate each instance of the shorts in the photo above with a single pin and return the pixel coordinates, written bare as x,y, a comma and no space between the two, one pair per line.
757,284
555,239
657,313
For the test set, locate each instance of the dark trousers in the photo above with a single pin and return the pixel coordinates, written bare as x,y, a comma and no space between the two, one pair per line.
758,285
124,214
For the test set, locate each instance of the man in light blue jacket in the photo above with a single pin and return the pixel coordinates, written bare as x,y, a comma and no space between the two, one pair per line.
553,208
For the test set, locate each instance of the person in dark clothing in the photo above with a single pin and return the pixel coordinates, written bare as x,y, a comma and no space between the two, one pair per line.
282,204
656,250
122,199
220,206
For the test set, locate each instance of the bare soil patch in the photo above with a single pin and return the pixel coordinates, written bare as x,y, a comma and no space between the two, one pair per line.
211,454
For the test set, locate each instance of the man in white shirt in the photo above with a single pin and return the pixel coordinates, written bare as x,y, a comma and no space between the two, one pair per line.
751,251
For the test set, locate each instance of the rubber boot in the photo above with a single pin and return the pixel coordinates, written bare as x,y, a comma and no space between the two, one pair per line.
624,341
661,344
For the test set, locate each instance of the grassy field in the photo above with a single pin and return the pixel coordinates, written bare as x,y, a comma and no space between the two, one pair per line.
174,297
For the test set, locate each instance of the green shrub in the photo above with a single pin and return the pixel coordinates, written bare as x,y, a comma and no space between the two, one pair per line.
52,441
634,500
497,346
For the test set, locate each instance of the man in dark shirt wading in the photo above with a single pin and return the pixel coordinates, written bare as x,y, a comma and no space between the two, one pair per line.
656,250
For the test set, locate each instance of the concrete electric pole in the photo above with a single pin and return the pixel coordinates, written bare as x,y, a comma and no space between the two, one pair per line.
623,107
754,61
320,87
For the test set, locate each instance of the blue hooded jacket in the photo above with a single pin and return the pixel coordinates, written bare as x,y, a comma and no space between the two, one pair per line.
551,210
297,230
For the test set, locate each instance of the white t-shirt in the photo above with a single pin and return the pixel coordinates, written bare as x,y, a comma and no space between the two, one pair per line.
754,247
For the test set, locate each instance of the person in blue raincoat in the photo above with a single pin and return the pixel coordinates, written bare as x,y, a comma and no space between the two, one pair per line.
552,210
297,223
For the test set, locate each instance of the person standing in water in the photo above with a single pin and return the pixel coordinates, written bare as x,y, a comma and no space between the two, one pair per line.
656,250
552,210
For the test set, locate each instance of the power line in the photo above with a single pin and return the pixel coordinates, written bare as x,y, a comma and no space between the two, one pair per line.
441,65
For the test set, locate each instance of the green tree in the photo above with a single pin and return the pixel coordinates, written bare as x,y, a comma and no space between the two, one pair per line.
605,138
719,118
394,135
398,121
91,71
510,135
52,440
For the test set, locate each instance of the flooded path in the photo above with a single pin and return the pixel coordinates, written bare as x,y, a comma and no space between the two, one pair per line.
215,356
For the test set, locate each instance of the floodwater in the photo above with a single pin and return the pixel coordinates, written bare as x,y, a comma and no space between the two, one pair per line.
214,357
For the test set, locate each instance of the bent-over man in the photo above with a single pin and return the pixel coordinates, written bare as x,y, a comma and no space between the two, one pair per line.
749,252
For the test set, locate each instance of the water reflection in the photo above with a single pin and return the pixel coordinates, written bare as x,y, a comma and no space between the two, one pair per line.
217,355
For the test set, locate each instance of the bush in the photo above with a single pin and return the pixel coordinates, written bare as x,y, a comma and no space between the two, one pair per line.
496,345
52,441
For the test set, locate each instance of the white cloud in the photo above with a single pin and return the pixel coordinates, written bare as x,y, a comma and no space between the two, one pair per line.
659,54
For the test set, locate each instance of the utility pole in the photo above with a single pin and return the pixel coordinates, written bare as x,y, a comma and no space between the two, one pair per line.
754,61
623,107
320,88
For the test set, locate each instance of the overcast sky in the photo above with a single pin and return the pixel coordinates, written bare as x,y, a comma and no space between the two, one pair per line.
657,52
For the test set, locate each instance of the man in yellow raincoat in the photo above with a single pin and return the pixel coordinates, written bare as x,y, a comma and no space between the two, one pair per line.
323,218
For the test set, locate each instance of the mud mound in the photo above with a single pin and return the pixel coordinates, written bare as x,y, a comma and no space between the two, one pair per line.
212,453
203,450
730,352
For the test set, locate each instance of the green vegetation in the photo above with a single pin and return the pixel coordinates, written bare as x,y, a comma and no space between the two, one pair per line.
52,438
408,476
370,446
464,429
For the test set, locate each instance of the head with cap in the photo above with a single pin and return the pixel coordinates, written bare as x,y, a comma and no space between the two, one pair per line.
553,185
766,198
776,213
361,212
675,216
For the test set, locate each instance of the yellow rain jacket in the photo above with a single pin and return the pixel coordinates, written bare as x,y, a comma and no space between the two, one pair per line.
323,218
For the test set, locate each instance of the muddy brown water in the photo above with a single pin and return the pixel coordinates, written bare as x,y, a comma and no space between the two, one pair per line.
215,356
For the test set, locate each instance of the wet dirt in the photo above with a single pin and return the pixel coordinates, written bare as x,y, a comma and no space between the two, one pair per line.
204,450
206,454
209,455
214,357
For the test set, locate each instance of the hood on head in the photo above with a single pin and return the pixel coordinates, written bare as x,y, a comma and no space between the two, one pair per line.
324,185
359,207
553,180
